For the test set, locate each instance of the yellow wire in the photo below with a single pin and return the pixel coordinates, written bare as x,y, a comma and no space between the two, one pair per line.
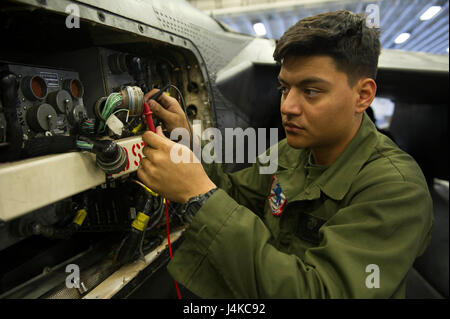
148,189
137,128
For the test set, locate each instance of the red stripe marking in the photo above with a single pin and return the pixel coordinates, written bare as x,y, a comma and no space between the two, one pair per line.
128,160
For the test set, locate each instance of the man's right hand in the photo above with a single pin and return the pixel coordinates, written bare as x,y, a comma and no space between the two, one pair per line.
168,110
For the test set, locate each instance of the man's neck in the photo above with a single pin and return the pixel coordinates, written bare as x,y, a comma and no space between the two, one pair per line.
326,156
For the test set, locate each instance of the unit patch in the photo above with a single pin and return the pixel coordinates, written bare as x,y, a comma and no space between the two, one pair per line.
276,198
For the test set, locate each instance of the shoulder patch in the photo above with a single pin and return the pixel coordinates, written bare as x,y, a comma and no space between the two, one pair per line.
276,198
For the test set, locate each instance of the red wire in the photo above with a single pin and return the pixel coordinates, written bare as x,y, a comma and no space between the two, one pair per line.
170,246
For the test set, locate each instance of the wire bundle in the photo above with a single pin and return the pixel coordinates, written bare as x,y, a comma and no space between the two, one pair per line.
84,145
166,209
114,100
88,126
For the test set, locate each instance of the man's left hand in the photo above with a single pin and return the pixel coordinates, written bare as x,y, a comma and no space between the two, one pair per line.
175,181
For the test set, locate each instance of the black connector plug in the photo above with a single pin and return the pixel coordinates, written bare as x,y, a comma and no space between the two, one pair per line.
111,158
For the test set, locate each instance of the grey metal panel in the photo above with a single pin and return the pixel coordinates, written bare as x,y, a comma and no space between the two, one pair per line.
143,11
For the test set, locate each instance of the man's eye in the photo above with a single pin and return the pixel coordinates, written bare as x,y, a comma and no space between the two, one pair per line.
282,89
310,92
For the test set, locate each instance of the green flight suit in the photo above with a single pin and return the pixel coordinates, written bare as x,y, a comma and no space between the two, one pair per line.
370,207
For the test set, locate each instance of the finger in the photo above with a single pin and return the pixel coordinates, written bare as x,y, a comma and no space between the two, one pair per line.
149,94
159,111
165,100
153,140
168,102
144,176
148,152
159,131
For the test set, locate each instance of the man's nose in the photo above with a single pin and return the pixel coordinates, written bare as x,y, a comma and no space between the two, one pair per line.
290,104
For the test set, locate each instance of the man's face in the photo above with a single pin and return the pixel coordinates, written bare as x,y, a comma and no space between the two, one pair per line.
317,103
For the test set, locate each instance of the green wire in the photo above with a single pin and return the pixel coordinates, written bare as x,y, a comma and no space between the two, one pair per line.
84,145
111,103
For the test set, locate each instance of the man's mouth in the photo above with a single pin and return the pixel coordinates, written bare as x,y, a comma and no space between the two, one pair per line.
291,127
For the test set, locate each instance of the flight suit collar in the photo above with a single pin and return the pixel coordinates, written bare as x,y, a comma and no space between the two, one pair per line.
336,180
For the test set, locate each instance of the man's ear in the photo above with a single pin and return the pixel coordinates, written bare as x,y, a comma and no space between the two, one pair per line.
366,90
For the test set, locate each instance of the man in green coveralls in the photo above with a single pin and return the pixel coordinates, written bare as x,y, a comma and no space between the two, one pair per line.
346,213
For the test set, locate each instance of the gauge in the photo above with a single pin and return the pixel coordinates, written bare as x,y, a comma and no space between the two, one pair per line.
60,100
42,117
75,87
34,88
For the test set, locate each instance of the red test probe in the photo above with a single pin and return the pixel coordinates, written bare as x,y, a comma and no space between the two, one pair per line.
148,116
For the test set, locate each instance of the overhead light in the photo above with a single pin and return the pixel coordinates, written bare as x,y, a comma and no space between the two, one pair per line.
402,38
430,13
260,29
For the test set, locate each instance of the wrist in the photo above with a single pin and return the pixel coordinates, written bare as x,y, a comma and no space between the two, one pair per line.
194,204
199,191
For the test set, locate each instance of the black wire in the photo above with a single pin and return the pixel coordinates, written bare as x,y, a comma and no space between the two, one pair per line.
159,212
183,104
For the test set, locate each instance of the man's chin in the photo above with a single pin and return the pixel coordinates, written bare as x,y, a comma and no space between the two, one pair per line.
296,141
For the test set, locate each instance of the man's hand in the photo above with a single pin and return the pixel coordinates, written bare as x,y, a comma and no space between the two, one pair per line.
168,110
175,181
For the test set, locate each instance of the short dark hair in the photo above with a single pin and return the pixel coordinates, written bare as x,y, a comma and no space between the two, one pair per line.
342,35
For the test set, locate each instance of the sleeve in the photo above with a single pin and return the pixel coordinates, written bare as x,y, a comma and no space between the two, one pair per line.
227,251
247,187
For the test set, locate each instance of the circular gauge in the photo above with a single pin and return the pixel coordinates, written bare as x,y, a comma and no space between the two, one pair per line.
34,88
42,117
75,87
60,100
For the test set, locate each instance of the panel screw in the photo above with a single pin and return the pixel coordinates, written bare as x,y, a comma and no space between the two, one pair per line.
101,16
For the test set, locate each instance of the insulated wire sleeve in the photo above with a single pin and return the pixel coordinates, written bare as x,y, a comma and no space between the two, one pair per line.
84,145
145,187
